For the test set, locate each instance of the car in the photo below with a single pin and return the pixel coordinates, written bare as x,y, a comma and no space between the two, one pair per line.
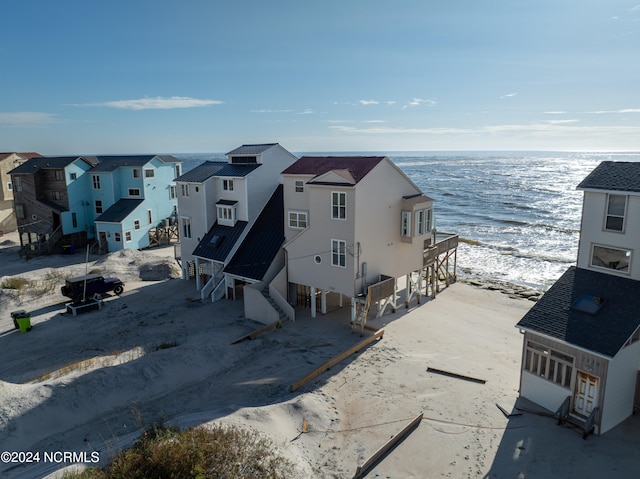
87,286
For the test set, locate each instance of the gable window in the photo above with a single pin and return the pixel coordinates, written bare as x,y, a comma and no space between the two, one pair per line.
611,258
299,186
227,185
548,364
338,205
136,172
17,183
136,224
405,227
74,220
96,182
134,191
186,227
73,176
423,220
297,219
616,205
116,237
339,253
127,236
19,210
98,207
177,170
184,189
149,173
59,174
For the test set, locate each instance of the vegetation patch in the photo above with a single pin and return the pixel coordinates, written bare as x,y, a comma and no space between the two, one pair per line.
200,453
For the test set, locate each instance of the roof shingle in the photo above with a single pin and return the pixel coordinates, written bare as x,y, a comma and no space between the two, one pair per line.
357,166
614,176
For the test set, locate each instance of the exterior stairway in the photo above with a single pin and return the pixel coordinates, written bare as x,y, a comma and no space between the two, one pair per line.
282,316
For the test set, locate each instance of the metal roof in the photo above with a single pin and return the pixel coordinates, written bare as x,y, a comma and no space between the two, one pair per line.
117,212
604,332
262,243
251,150
35,164
209,169
218,249
614,176
113,162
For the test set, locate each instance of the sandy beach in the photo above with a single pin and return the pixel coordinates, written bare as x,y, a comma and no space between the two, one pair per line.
90,383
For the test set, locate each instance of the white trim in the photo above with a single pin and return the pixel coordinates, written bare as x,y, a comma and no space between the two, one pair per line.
340,254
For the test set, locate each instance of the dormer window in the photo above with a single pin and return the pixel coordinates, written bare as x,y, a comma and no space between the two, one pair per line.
244,160
226,211
616,206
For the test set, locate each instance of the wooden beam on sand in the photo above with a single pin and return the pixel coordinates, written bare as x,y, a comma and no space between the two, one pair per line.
457,376
335,360
362,470
253,334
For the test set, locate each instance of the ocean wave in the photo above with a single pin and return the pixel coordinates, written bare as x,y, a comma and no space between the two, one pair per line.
509,250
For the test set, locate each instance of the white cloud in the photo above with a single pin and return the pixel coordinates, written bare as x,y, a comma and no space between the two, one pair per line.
375,121
508,95
555,112
624,110
560,122
271,111
27,118
157,103
419,102
306,111
369,102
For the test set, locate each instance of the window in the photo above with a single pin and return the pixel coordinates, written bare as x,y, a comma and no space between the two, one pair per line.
9,186
134,191
548,364
59,175
338,205
227,185
136,224
226,214
172,192
184,189
116,237
297,219
56,195
17,183
616,205
127,236
150,216
339,253
96,182
19,211
186,227
136,172
299,186
405,229
611,258
98,207
149,173
177,170
74,220
73,176
423,220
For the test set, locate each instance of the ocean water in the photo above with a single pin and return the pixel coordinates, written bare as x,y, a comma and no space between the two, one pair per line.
517,213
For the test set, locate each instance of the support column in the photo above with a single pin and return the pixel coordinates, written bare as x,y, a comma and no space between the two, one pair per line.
323,302
407,291
313,301
340,300
198,279
353,310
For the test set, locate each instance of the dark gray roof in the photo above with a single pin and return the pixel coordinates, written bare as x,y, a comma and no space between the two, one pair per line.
119,210
38,163
251,149
262,243
209,169
228,236
604,332
613,175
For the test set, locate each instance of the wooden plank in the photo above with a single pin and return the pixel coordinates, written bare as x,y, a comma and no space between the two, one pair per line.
457,376
335,360
362,470
253,334
507,414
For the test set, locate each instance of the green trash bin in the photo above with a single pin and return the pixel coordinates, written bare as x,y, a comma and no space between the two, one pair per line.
24,323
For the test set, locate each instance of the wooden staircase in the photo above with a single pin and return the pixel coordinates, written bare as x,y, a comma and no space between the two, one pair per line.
362,310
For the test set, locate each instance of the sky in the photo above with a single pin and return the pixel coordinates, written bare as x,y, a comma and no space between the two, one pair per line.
189,76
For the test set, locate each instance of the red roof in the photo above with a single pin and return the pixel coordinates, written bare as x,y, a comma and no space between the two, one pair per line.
358,166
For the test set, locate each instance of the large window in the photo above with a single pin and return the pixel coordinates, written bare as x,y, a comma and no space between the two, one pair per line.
339,253
297,219
616,205
549,364
611,258
226,214
59,174
149,173
184,189
423,220
96,182
338,205
186,227
227,185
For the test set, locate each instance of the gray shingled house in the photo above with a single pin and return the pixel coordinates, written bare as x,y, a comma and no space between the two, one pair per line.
581,350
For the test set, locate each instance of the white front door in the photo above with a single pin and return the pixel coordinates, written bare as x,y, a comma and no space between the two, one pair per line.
586,397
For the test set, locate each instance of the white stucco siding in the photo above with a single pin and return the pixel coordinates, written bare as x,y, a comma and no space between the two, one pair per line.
593,232
620,387
540,391
379,207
